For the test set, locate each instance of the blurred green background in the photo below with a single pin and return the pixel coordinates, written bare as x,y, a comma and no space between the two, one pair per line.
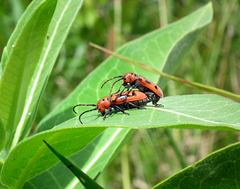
152,155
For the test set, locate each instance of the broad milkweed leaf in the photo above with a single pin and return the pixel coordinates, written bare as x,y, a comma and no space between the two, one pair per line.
63,18
82,177
18,72
94,158
65,14
31,157
17,31
220,169
186,111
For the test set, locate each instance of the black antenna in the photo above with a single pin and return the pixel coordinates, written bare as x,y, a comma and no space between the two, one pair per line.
85,111
111,79
113,85
82,105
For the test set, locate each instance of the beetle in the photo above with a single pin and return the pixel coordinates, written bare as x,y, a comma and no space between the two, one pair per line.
134,81
118,102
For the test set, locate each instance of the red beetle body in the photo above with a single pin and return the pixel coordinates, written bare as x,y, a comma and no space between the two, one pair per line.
134,81
132,97
119,102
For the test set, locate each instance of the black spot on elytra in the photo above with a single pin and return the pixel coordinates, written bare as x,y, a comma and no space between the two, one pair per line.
156,87
140,79
148,81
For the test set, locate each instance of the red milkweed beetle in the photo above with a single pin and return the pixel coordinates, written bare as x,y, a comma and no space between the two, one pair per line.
127,100
134,81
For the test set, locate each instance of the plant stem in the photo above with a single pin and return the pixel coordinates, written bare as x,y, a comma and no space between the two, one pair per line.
180,80
162,4
175,146
125,168
117,22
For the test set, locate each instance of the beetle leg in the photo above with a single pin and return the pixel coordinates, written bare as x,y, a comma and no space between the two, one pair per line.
107,113
120,109
135,106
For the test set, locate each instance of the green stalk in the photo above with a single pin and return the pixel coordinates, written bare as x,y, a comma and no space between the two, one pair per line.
177,79
125,168
117,23
175,146
172,141
162,6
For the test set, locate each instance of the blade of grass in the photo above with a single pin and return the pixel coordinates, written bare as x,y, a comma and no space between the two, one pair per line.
177,79
82,177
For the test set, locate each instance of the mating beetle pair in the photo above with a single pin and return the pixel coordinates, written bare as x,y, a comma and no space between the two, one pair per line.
148,92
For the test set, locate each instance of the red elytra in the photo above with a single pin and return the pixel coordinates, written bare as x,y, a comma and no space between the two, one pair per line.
119,102
134,81
133,96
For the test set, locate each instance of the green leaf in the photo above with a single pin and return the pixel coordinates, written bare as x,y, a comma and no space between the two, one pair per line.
211,109
17,32
82,177
31,157
220,169
94,158
19,69
64,15
186,111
